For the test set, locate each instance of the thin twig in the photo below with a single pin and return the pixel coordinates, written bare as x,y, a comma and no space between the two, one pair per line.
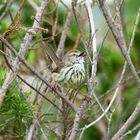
127,124
91,85
6,10
94,49
24,48
24,81
137,127
29,137
119,83
60,49
130,46
119,37
32,69
33,4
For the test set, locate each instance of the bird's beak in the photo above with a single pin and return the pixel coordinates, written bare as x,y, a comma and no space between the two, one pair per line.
83,54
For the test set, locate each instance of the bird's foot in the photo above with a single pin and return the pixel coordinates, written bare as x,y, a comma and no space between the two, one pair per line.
87,98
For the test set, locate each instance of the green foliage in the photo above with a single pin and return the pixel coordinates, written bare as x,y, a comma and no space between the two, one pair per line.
110,62
31,57
62,16
130,17
130,10
14,113
2,75
3,26
130,100
15,116
91,134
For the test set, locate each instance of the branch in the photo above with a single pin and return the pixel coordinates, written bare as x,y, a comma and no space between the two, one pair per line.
32,69
94,50
120,81
120,134
29,136
33,4
6,10
60,49
118,35
91,85
24,48
137,127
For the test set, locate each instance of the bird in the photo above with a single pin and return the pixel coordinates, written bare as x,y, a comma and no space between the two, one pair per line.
72,71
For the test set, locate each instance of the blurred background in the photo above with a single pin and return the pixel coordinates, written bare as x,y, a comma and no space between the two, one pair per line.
15,115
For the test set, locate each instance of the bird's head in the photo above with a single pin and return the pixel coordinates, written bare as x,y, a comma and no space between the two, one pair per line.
74,56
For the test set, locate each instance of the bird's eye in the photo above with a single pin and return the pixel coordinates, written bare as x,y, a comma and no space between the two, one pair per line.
82,54
75,54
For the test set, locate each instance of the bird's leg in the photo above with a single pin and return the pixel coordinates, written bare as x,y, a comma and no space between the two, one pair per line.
87,98
54,85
